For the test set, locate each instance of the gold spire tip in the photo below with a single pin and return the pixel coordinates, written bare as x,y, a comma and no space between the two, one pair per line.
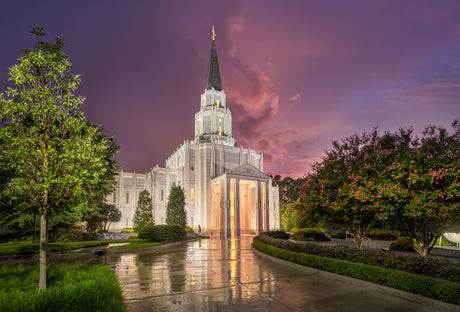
213,33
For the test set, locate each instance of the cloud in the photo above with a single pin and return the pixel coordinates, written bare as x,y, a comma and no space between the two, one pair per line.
294,97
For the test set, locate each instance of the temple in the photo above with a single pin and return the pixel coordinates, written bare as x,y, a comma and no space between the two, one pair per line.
227,193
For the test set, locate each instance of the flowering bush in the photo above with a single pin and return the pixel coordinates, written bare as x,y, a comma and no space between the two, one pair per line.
409,183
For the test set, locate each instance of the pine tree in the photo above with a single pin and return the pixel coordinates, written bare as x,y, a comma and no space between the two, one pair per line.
176,207
144,211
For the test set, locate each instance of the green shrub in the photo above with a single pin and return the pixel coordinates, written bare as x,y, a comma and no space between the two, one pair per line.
296,229
278,234
127,231
434,267
382,234
158,233
402,244
188,229
436,288
69,234
70,288
339,233
310,234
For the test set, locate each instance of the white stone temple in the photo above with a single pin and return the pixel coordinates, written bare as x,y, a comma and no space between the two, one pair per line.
226,190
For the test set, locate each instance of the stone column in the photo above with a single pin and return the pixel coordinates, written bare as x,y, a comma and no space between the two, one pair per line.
259,208
228,229
267,207
237,207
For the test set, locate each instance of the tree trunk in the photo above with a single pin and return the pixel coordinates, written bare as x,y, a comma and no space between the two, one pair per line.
43,244
358,237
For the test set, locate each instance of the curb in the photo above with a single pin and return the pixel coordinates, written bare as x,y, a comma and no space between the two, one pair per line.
436,305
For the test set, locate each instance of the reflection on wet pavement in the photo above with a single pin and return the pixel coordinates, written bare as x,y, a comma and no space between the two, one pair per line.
225,275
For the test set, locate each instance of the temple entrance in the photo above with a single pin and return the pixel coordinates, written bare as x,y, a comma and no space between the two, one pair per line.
248,207
239,203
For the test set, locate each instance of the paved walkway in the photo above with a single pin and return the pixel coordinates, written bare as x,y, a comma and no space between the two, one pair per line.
226,275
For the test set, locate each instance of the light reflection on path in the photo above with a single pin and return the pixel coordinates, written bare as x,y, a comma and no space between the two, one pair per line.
225,275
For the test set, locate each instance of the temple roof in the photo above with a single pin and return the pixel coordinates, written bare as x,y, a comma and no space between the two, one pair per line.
213,78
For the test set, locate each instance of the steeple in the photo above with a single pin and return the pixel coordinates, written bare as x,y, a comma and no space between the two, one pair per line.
213,77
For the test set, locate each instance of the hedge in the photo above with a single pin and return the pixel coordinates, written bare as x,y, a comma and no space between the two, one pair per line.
428,286
310,234
441,268
158,233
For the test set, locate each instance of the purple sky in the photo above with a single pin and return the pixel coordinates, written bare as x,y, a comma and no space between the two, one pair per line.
297,74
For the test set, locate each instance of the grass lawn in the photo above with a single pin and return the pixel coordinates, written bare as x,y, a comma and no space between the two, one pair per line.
70,288
24,248
140,243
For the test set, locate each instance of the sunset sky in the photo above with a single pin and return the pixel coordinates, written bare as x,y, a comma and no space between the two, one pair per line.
297,74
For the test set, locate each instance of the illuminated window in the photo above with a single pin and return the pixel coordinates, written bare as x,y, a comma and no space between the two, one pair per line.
217,103
127,198
192,194
220,119
220,130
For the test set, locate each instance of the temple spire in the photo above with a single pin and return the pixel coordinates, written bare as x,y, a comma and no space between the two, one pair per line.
213,78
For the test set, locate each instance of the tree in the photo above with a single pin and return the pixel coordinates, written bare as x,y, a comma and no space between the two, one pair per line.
393,178
175,213
288,188
419,191
55,155
144,211
100,220
333,190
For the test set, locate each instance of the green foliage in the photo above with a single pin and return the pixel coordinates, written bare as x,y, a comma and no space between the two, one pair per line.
188,229
288,219
408,183
428,286
402,244
25,248
144,211
309,234
339,233
158,233
411,263
100,220
382,234
65,234
128,231
278,234
71,288
288,188
175,213
140,243
54,155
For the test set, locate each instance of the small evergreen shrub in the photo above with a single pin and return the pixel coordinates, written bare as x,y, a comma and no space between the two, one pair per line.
402,244
158,233
295,230
382,234
188,229
310,234
339,233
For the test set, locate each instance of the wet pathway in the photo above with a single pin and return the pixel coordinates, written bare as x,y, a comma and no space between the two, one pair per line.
226,275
